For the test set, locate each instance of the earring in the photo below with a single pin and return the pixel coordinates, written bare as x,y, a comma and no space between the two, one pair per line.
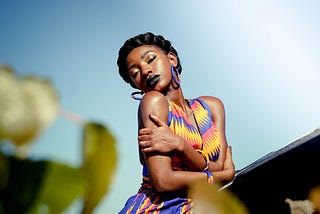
175,75
134,95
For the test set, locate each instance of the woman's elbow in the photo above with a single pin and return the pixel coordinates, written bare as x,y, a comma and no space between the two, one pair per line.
162,184
160,189
229,175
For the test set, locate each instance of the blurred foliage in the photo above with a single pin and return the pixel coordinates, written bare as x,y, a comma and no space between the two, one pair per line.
210,199
35,184
314,197
99,161
28,105
62,184
24,179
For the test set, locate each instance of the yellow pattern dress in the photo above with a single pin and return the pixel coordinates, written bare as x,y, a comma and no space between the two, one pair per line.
204,137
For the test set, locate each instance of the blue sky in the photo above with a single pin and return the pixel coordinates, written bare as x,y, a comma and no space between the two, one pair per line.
261,58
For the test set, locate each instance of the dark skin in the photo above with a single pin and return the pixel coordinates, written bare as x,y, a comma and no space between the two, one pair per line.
156,140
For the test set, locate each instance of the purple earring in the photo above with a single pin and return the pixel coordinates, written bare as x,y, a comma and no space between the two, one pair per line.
175,74
134,95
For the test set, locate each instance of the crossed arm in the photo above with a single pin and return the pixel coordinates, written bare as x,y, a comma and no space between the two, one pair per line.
157,142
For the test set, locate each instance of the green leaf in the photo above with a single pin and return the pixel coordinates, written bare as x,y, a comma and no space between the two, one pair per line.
24,180
62,184
4,172
99,163
210,200
33,185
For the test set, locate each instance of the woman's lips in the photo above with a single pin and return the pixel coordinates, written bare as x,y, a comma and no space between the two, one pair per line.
153,80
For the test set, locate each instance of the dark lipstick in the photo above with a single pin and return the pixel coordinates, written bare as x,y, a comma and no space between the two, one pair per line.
153,80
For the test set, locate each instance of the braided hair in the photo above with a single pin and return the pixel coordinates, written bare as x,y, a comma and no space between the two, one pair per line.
139,40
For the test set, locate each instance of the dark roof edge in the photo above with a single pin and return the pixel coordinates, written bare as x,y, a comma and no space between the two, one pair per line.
296,143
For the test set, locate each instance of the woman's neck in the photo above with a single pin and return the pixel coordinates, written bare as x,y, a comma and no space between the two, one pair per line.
177,97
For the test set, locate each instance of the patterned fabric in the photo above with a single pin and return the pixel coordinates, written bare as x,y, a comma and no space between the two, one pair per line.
204,136
209,176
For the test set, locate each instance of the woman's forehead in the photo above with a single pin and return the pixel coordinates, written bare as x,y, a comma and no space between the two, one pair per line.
142,50
145,48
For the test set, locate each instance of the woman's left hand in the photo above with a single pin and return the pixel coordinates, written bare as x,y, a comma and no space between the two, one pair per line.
160,139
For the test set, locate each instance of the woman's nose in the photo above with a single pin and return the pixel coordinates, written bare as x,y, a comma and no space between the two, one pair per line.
146,70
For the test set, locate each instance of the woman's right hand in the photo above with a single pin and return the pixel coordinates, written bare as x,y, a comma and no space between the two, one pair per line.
160,139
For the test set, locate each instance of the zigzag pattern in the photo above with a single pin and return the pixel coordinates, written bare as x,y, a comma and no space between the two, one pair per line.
205,136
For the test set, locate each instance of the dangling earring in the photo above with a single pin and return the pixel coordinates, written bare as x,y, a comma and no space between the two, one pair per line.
133,95
175,75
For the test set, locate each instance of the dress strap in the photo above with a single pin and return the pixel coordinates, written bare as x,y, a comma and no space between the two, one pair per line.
205,106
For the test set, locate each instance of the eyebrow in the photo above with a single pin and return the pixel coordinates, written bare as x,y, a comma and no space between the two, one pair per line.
143,55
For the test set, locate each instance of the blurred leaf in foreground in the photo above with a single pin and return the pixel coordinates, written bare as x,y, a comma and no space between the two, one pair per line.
28,106
210,200
24,179
62,184
314,196
99,163
38,186
4,171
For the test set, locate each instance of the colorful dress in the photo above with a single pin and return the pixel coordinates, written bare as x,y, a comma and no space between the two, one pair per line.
204,137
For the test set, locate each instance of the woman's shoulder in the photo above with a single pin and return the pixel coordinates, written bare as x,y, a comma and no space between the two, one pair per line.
154,103
211,100
215,104
153,97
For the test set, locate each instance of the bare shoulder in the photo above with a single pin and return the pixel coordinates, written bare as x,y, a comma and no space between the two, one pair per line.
153,98
213,102
155,103
216,106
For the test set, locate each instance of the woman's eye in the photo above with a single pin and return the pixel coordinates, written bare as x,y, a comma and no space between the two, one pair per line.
134,74
151,59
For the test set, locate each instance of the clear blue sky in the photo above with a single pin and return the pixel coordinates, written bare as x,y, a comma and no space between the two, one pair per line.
261,58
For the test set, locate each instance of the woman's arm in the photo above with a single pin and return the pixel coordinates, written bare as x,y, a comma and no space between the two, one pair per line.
223,168
163,140
163,178
228,171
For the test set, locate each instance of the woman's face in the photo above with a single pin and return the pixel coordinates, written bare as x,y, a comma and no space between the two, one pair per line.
149,67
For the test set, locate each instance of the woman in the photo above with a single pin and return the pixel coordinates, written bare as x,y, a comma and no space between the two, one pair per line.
181,141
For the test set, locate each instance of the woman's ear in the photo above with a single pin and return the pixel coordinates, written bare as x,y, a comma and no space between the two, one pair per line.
173,59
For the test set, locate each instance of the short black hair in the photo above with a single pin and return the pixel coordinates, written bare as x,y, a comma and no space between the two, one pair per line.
139,40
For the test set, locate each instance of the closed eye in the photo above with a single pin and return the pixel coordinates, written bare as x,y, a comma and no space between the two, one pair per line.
151,59
134,74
